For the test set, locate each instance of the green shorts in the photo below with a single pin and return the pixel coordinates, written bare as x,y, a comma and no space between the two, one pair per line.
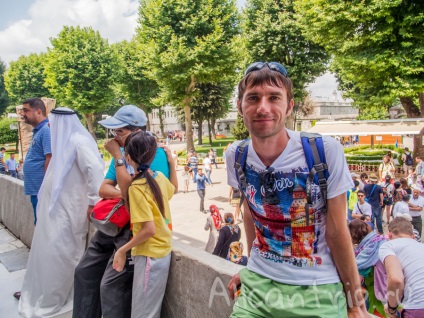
263,297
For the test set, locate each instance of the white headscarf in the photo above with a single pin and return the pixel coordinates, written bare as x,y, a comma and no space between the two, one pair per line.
67,134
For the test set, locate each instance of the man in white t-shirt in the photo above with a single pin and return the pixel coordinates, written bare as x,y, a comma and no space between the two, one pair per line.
361,207
416,205
402,207
403,258
291,253
207,165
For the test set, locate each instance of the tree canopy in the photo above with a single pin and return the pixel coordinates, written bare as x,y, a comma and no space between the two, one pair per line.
377,48
188,42
272,32
25,78
80,71
4,98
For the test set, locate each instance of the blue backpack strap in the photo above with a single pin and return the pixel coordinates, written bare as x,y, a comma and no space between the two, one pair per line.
313,147
240,165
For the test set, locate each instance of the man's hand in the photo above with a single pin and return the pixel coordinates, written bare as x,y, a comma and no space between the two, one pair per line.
89,210
119,260
232,285
112,146
168,153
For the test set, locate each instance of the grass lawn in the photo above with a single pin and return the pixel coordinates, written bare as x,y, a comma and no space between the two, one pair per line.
219,144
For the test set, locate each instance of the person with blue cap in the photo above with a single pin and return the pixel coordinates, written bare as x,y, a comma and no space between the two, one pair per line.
99,290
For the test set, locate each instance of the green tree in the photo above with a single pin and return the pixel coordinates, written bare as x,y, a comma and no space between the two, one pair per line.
378,49
273,33
80,71
136,88
185,43
25,78
212,103
239,130
4,98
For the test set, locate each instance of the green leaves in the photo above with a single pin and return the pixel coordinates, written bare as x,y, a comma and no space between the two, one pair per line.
80,69
377,46
272,32
25,78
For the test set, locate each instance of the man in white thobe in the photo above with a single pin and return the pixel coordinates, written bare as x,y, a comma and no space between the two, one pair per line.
67,194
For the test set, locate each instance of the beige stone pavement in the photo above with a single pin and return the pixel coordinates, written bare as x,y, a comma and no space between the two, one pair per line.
188,221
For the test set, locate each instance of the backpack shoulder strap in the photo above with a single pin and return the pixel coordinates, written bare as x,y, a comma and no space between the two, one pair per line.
313,147
240,165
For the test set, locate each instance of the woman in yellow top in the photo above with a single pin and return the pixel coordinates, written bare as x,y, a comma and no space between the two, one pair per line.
148,202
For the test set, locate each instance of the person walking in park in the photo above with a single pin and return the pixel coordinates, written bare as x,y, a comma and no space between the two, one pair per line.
201,181
151,245
12,166
213,224
289,250
407,161
386,168
374,196
416,207
39,153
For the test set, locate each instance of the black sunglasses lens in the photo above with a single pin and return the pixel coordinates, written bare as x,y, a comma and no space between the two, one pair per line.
274,66
278,67
254,67
268,181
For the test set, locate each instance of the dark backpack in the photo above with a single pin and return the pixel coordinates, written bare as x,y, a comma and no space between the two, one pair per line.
313,148
408,159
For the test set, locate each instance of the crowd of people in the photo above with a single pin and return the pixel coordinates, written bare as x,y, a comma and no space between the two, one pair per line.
297,195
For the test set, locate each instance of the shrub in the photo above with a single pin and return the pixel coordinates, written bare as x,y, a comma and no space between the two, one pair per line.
6,134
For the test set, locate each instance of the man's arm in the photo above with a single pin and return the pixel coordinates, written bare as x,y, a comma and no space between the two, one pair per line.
381,198
108,190
249,226
340,244
123,178
46,163
395,281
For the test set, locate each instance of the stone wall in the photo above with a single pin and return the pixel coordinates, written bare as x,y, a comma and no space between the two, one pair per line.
197,280
15,209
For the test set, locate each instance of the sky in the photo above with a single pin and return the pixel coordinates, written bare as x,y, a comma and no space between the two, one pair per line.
27,25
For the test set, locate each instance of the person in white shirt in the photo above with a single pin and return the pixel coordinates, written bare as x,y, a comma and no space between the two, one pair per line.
207,164
403,258
416,205
362,207
402,207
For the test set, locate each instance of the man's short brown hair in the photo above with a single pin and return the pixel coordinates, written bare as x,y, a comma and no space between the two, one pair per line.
265,76
401,226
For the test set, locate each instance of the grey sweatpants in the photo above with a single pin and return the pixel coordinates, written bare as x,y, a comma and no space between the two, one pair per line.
149,284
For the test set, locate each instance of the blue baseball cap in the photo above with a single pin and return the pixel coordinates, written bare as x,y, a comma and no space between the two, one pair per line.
128,115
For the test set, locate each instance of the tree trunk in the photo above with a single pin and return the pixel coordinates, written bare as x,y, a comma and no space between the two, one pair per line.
89,121
144,108
213,121
200,131
210,132
189,126
187,114
161,124
290,121
414,111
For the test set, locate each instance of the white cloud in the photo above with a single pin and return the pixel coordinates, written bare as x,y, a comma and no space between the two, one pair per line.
323,85
116,20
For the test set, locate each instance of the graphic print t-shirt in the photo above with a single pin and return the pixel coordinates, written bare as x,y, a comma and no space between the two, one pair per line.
286,248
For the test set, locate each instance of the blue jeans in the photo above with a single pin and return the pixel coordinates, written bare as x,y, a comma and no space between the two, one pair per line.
34,201
194,174
378,217
13,173
208,175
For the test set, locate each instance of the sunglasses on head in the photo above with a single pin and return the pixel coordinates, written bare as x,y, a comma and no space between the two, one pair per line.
268,181
273,66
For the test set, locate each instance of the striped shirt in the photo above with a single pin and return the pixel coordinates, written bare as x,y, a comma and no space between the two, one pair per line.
36,157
